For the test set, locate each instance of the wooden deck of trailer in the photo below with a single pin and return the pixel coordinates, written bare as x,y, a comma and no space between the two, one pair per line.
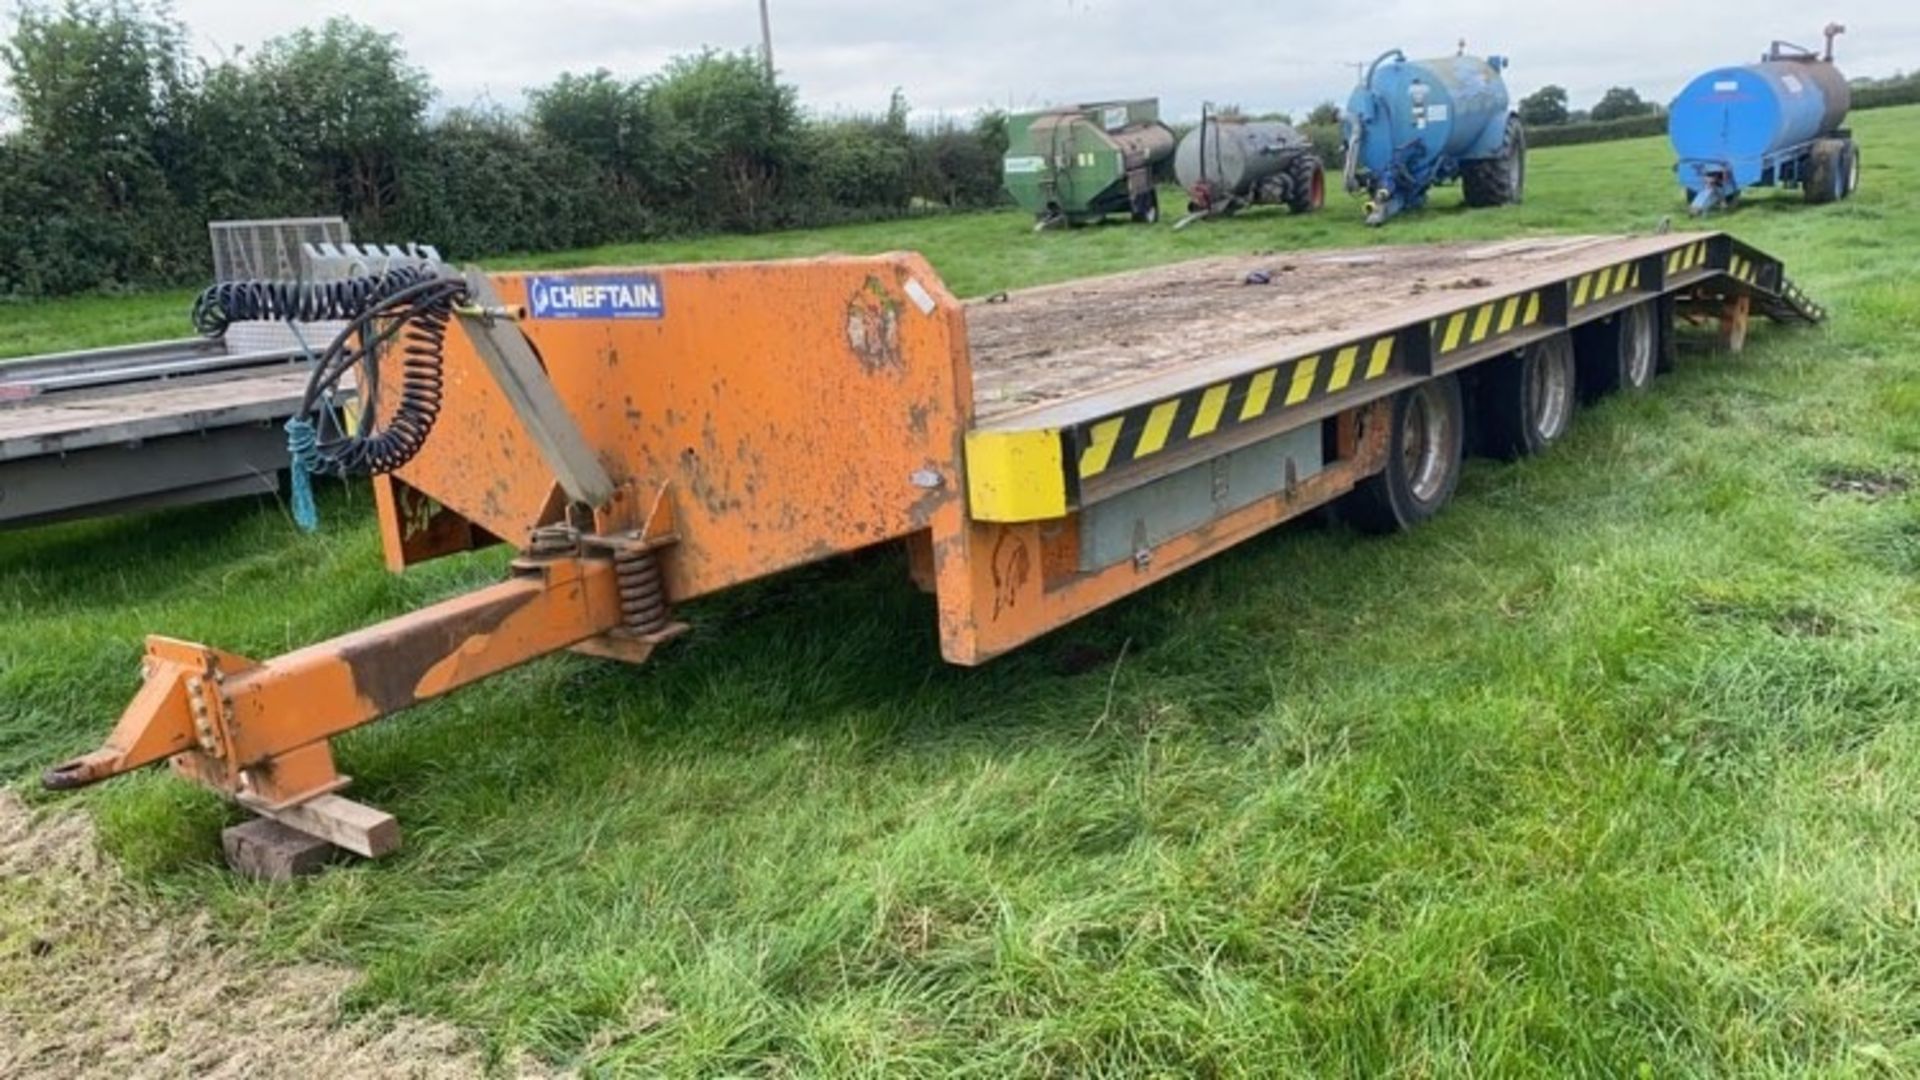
1082,338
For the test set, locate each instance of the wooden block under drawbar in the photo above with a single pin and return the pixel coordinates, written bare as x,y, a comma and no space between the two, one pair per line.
360,829
266,850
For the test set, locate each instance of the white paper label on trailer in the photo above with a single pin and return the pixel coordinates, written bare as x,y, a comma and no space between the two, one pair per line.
1726,86
1018,165
1792,83
921,298
1114,119
1437,113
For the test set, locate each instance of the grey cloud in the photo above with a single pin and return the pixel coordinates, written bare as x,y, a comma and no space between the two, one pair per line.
957,57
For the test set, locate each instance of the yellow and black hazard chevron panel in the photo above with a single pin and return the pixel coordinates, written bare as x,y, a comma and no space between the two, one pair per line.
1682,259
1599,285
1486,322
1141,432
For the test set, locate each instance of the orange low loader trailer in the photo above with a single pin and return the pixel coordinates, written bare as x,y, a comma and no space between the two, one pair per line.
649,436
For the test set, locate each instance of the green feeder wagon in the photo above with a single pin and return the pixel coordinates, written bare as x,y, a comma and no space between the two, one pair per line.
1074,164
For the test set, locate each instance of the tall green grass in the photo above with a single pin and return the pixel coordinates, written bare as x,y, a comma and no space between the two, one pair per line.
1612,769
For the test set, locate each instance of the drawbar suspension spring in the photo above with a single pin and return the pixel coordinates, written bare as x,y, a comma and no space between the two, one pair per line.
643,594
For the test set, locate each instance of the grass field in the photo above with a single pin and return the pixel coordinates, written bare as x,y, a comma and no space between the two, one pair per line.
1614,768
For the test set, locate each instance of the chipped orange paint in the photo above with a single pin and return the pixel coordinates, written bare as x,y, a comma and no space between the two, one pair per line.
791,406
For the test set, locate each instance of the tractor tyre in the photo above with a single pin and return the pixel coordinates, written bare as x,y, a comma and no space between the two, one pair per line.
1307,188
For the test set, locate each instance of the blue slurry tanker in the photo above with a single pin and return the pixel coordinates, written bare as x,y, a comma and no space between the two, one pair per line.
1412,124
1757,125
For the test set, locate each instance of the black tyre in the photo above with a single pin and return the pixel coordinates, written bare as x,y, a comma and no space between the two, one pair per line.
1500,180
1849,168
1528,399
1619,353
1424,451
1824,175
1308,190
1665,354
1146,207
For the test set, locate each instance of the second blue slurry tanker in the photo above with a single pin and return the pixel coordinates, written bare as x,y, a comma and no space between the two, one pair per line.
1416,123
1774,122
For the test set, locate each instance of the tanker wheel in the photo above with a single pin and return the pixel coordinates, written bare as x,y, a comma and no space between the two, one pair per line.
1146,207
1825,175
1499,180
1619,353
1528,399
1849,169
1424,450
1308,190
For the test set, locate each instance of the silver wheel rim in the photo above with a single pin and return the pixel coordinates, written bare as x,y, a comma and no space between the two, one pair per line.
1425,433
1638,330
1549,391
1853,173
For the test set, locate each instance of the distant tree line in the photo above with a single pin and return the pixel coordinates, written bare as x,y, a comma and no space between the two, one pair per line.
1548,107
125,145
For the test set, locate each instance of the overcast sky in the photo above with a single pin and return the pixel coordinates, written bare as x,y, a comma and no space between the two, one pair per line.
959,57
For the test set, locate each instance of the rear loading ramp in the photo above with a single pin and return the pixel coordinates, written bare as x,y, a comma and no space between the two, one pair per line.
1039,458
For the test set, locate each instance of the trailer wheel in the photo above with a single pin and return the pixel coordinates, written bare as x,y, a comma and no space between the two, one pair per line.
1529,398
1618,353
1146,207
1308,190
1499,180
1849,168
1424,451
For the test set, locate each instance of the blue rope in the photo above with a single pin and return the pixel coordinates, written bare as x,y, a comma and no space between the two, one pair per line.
303,448
303,452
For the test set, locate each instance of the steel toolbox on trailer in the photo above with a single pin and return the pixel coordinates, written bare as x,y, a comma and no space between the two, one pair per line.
647,437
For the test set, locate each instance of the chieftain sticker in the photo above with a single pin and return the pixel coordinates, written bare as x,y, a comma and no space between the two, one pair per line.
599,296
